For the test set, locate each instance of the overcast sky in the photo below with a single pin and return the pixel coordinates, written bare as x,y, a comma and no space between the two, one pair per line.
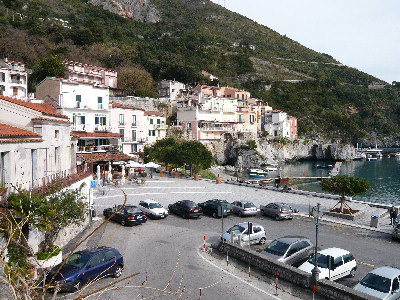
364,34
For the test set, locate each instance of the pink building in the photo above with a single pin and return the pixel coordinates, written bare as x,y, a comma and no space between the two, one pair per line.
224,92
91,74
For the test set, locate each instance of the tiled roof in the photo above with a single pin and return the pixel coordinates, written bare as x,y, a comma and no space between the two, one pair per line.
79,134
52,120
92,157
11,131
153,113
18,140
44,108
119,105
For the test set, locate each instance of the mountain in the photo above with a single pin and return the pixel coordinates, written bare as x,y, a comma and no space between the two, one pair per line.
177,39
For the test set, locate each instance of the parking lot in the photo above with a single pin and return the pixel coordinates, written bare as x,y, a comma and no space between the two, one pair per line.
168,252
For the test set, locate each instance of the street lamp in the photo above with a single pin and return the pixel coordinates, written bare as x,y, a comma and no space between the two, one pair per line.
316,214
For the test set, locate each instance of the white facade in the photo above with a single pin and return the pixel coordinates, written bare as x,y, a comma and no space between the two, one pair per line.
13,79
37,148
277,123
171,89
156,127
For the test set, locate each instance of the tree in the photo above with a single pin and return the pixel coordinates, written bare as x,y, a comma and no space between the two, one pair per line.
164,151
345,186
51,66
136,81
196,155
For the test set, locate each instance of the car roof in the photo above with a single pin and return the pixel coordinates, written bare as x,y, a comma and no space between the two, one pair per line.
148,201
246,224
291,239
334,252
126,206
94,250
386,271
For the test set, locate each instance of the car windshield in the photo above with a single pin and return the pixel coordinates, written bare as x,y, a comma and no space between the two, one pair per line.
322,260
77,260
155,205
249,204
132,209
190,204
236,228
376,282
277,247
286,207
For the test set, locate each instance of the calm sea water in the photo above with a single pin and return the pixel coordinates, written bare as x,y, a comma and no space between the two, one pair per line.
383,176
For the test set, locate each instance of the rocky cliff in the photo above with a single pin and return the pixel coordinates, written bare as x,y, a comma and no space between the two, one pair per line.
238,154
139,10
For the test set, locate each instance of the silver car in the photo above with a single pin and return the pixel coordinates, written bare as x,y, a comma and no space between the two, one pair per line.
256,236
244,208
279,211
396,232
290,249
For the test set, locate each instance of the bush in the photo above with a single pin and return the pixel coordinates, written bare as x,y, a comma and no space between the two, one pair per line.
207,174
42,255
143,174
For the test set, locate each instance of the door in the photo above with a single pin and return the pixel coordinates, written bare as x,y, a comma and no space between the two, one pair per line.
257,234
94,267
339,269
110,262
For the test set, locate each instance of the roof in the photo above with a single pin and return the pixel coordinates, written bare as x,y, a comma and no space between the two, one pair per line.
386,271
291,239
246,224
334,252
44,108
19,140
119,105
106,157
51,120
75,82
153,113
11,131
80,134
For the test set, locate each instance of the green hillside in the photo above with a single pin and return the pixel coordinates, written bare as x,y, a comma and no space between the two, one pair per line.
331,101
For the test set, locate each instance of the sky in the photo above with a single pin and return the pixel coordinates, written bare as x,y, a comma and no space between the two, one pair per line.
364,34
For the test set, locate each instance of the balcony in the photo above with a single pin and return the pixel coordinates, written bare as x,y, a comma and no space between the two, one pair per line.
102,128
97,149
134,124
121,124
78,104
16,81
80,127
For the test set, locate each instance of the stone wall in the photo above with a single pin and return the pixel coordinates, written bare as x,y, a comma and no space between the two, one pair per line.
325,288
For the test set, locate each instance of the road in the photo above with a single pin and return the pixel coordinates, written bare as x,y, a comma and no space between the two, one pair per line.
168,252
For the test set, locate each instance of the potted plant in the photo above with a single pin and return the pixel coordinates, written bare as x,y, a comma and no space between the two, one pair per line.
143,175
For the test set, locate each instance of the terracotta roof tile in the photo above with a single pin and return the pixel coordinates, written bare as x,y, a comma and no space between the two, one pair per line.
92,157
44,108
11,131
153,113
79,134
119,105
52,120
18,140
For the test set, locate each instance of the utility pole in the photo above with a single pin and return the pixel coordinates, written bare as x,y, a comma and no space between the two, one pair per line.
316,214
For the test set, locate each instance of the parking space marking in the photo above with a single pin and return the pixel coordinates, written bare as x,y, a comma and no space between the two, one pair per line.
365,264
236,277
112,234
167,187
208,192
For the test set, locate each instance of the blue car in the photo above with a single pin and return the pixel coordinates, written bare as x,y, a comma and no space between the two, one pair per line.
86,266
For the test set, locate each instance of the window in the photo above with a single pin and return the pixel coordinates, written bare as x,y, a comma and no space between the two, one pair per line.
395,286
95,260
151,121
100,121
133,120
134,148
2,167
158,121
3,77
256,229
348,257
337,262
109,255
56,133
121,119
99,102
121,131
78,98
133,135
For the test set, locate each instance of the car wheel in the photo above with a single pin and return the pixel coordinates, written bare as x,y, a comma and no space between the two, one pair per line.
214,214
77,285
262,212
262,241
277,218
352,273
123,223
117,272
240,214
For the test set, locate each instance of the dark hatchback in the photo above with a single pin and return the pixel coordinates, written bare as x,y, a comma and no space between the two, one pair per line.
128,215
86,266
212,208
186,209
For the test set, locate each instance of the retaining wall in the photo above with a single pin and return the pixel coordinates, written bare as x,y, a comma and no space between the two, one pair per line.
325,288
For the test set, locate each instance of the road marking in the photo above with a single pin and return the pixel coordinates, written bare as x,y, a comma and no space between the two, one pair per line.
238,278
166,187
112,234
208,192
368,265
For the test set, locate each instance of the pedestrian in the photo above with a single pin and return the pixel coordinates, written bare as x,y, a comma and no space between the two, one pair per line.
393,216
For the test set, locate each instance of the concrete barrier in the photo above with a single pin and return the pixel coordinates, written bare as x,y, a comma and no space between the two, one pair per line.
325,288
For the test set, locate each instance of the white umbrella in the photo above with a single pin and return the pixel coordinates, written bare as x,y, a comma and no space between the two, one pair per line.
98,174
151,165
134,164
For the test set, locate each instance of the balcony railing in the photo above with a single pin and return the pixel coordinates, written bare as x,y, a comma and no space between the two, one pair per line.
81,127
102,128
134,124
16,81
102,148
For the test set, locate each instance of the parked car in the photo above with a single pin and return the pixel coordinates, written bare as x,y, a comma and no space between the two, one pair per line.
153,209
342,264
396,232
279,211
382,283
211,207
85,266
244,208
128,215
257,234
290,249
186,209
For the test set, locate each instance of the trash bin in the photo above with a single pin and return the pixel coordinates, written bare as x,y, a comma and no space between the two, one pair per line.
374,221
93,213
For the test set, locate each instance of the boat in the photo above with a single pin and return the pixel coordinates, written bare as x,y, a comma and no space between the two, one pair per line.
324,166
397,154
256,173
271,169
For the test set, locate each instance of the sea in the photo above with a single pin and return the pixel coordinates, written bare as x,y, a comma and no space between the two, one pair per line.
383,176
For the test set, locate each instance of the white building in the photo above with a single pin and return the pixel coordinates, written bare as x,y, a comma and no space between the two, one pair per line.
171,89
278,123
13,79
35,144
156,127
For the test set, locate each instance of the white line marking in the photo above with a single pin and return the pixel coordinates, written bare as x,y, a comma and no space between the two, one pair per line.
234,276
165,187
143,194
201,192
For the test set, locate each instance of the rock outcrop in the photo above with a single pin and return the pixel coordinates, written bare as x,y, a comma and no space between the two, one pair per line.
238,154
139,10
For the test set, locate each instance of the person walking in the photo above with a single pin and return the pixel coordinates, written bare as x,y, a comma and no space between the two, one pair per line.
393,216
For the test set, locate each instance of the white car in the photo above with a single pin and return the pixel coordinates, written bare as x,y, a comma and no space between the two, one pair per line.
257,235
382,283
153,209
342,263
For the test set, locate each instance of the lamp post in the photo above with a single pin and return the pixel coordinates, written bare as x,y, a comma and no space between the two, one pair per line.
316,214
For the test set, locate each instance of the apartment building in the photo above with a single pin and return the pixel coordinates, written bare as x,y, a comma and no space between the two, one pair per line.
278,123
156,127
13,79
